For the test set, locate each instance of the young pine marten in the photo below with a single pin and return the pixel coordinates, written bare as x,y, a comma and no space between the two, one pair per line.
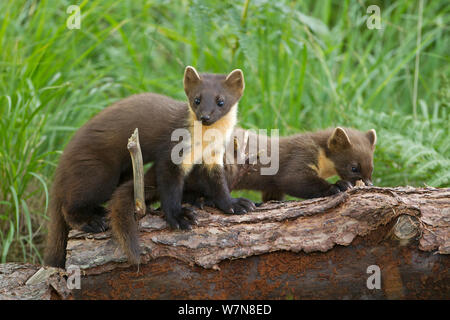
306,160
96,160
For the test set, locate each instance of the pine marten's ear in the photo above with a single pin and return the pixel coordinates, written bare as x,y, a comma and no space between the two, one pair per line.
191,78
339,140
372,136
235,80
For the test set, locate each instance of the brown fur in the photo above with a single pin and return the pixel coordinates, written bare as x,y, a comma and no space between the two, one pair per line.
306,160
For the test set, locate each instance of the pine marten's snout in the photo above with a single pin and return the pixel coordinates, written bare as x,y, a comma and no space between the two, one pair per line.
205,119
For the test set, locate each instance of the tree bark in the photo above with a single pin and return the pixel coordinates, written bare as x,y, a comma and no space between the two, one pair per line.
405,231
31,282
323,248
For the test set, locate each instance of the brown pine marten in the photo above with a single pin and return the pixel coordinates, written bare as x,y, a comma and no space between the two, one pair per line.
305,162
96,160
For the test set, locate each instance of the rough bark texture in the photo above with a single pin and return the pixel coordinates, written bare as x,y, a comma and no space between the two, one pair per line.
284,245
31,282
283,251
312,225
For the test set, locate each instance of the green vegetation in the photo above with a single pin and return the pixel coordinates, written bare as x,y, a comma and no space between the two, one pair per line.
308,65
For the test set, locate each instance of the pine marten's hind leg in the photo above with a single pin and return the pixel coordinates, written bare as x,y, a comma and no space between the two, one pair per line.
124,224
83,207
86,218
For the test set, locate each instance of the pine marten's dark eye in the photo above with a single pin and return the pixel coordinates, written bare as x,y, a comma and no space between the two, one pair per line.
220,103
197,101
355,169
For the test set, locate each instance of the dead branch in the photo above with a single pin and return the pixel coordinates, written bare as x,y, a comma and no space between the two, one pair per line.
138,173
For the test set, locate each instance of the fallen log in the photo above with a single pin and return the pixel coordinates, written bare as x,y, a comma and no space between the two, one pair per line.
321,248
324,248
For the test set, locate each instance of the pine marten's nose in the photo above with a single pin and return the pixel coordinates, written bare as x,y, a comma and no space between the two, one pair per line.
205,118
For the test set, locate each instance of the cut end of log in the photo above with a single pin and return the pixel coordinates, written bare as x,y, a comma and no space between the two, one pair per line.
406,227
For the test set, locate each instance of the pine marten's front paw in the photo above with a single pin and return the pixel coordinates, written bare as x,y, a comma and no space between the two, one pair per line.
236,206
343,185
339,186
188,214
183,220
242,205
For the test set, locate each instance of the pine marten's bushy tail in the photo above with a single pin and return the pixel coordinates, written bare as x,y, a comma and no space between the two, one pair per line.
58,231
123,223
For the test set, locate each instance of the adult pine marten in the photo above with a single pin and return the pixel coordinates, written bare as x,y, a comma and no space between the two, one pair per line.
96,160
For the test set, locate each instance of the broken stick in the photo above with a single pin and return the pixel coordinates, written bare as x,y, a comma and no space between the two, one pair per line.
138,173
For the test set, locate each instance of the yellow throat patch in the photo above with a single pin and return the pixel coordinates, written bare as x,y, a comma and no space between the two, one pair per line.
325,167
212,139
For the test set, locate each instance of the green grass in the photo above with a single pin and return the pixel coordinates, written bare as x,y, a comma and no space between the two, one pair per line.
308,65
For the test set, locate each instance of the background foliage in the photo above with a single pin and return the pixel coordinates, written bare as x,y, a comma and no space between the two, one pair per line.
308,65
